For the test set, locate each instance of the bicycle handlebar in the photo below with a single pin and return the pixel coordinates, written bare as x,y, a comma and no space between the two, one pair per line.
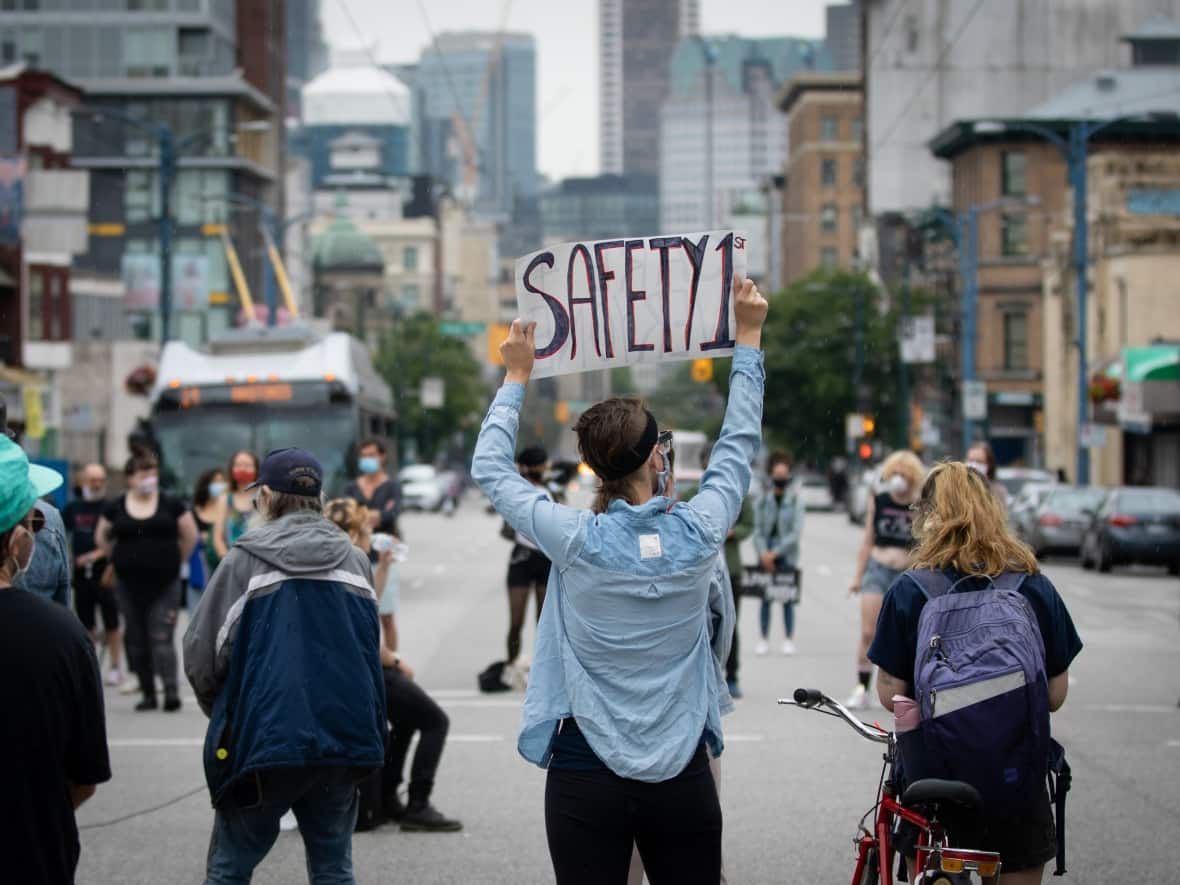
811,699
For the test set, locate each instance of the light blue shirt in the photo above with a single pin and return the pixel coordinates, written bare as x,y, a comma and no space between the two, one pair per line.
623,644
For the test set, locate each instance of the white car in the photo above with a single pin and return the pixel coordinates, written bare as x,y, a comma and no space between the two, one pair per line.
815,493
420,488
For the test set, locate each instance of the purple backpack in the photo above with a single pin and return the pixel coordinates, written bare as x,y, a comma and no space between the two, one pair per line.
979,679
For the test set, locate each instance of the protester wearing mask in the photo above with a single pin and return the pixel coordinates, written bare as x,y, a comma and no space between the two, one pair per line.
208,508
778,527
884,554
982,459
90,590
53,748
238,515
148,535
381,496
528,567
48,574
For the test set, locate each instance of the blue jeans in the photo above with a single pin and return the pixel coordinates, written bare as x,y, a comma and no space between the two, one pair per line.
244,829
788,618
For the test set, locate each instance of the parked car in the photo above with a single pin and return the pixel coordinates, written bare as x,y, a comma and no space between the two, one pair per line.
815,492
420,487
1058,522
1134,525
1014,479
866,486
1023,507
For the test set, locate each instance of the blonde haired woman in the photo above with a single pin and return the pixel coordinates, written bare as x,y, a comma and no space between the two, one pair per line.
884,554
962,531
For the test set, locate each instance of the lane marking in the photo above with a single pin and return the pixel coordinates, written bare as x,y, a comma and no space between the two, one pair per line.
1131,708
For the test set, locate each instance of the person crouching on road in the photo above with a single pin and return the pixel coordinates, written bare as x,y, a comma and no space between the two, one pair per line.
283,655
625,694
409,707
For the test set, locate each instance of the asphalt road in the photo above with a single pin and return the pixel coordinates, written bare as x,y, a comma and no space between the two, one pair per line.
794,783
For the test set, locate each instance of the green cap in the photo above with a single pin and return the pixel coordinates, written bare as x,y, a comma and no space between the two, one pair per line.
21,483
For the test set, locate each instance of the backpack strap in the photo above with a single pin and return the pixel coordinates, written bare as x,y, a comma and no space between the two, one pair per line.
1060,780
936,582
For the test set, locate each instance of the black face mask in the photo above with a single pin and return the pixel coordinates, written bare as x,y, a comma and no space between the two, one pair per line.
781,484
535,475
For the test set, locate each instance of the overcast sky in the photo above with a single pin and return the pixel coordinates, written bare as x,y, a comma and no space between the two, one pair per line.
567,50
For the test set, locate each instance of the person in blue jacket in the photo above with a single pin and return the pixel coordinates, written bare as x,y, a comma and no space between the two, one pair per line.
283,655
626,693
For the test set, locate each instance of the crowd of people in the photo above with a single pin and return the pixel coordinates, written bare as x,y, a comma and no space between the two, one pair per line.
292,641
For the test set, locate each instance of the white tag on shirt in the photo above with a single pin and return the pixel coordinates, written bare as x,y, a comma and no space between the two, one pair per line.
649,547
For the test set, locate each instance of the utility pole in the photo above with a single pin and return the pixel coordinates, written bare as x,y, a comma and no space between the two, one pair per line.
903,375
1079,135
166,173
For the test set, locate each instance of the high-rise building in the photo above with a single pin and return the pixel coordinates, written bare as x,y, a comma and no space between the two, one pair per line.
721,136
213,73
929,62
636,39
475,118
307,52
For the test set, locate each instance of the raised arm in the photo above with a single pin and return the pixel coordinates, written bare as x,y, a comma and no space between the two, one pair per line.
526,508
727,477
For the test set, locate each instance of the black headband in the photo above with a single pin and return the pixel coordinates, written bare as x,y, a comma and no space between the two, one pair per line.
639,453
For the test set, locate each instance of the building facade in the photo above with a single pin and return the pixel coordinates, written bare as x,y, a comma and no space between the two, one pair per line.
474,99
636,39
823,191
929,62
307,52
599,208
721,133
181,66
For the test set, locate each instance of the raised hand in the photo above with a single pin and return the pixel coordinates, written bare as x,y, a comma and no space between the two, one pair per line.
749,308
519,352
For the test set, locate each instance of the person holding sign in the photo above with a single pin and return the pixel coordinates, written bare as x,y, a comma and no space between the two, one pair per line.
778,527
625,695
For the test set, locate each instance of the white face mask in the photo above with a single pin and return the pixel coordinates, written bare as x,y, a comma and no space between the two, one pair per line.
979,467
899,485
148,485
89,494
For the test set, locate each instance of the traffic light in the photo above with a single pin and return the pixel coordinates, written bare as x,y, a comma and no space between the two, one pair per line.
865,451
561,411
868,425
702,371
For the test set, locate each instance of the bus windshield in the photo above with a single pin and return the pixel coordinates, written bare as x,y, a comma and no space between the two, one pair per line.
194,440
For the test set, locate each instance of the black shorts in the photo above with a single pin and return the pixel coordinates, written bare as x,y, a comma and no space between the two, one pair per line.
527,567
1024,842
87,596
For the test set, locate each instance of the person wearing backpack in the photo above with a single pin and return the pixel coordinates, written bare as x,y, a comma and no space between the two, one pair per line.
983,642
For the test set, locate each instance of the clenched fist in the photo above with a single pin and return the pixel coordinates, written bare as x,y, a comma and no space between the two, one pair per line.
519,352
749,308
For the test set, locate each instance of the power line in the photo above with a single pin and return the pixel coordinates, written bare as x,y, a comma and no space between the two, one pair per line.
398,100
901,5
929,77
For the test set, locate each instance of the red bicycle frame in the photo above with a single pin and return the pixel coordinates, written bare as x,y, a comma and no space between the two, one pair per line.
887,810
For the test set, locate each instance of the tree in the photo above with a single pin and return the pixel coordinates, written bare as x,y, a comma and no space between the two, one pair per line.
417,349
810,352
684,404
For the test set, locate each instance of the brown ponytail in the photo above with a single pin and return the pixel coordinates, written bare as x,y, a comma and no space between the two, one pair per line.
607,434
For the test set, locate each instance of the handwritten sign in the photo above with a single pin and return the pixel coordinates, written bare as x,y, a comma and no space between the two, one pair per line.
621,302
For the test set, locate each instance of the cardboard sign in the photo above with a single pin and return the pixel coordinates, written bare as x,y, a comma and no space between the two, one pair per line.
622,302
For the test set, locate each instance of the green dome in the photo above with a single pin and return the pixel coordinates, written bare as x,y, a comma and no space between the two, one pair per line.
342,247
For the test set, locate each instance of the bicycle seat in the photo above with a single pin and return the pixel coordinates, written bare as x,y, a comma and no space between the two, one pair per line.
933,791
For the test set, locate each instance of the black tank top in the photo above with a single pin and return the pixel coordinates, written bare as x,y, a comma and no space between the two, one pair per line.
892,523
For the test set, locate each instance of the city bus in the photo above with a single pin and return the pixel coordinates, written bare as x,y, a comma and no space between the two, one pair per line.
267,388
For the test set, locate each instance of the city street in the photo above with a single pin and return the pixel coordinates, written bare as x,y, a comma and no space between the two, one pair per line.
795,783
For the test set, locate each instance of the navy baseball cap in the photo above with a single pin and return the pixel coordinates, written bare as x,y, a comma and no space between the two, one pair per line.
291,471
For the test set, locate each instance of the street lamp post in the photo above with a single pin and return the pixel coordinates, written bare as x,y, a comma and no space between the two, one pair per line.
1075,148
169,149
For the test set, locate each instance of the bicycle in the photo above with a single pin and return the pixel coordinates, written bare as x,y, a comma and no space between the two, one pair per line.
937,862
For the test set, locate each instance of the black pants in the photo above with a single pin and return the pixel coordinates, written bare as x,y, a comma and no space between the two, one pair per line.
593,818
150,623
731,663
411,709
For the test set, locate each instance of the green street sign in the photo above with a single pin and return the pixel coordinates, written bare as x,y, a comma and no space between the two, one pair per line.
458,329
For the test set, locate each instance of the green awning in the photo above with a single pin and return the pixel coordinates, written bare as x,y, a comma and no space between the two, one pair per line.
1160,362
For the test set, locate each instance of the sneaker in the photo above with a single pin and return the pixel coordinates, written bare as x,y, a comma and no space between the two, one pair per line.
428,819
149,703
130,685
762,648
859,699
734,691
115,677
788,647
287,822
